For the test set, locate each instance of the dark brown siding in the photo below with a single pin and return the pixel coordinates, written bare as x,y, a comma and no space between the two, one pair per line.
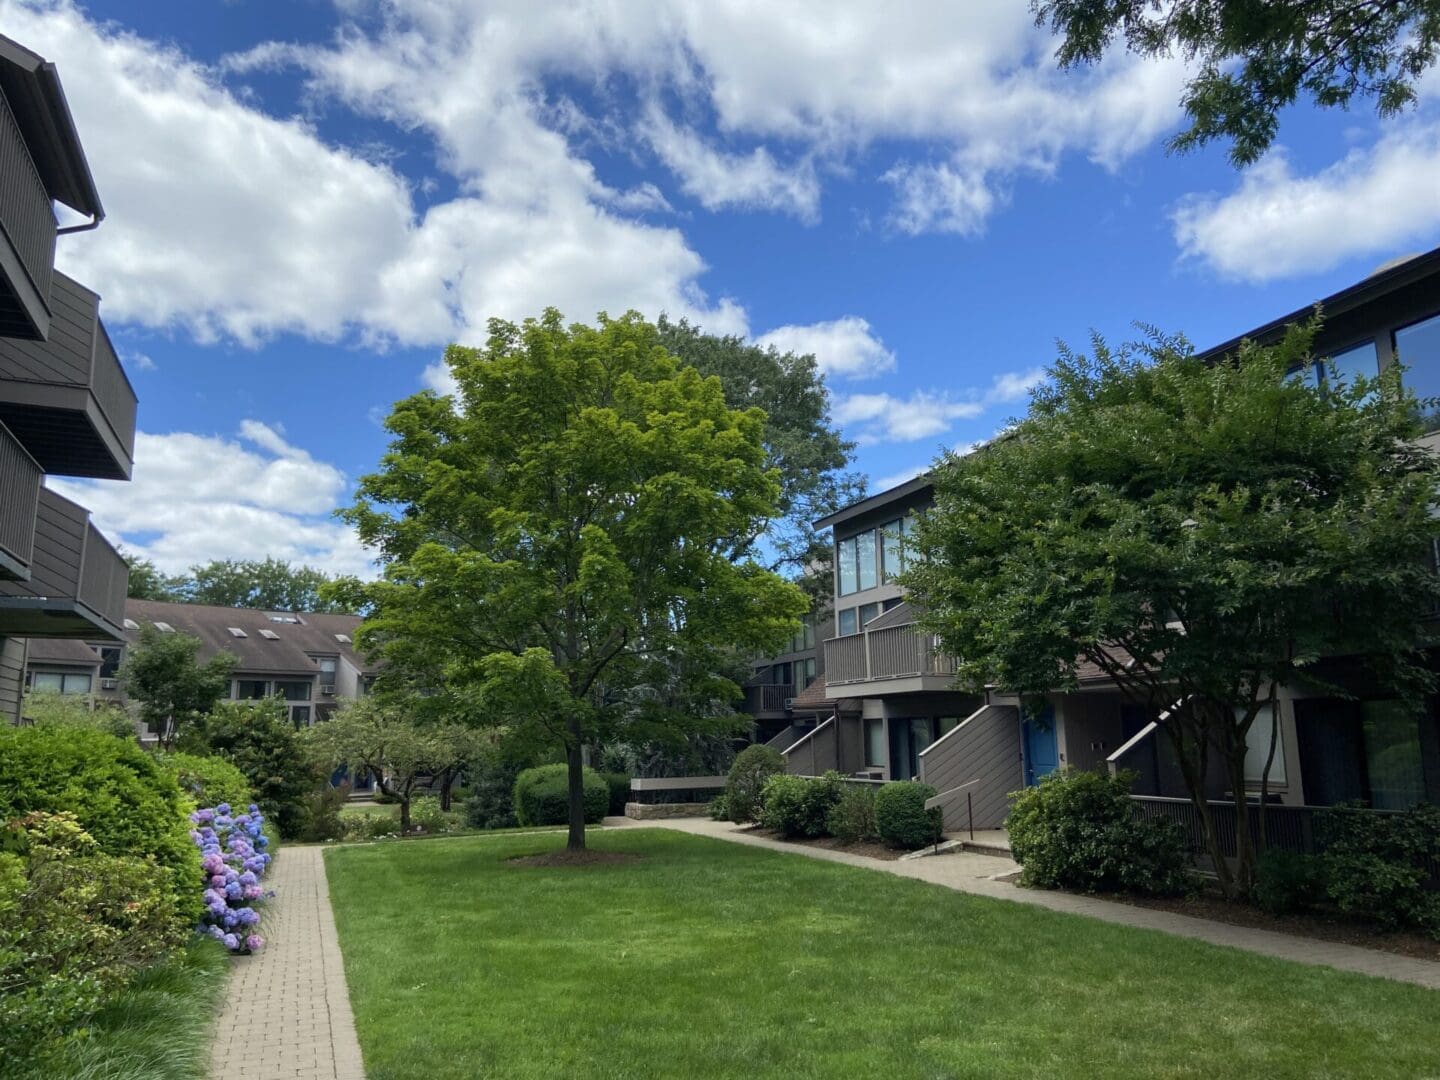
985,747
12,678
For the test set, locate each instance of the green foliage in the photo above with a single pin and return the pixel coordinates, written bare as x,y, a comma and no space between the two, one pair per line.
116,791
542,796
271,584
565,539
76,924
209,781
753,768
259,740
718,808
1257,57
619,784
148,583
171,687
1377,866
322,813
853,818
1287,883
490,803
1078,829
901,818
1273,521
50,708
427,817
800,806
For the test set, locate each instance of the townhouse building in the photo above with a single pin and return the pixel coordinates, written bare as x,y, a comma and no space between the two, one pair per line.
66,406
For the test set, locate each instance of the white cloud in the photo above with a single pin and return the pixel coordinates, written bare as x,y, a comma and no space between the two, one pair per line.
1372,202
939,198
845,346
200,497
875,418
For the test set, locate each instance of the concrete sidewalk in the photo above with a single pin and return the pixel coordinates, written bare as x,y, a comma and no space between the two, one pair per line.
287,1011
975,874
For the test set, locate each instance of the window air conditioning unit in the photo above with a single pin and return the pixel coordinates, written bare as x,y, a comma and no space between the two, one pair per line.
109,684
789,704
328,689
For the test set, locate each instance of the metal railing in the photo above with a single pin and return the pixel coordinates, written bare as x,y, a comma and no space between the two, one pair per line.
20,479
104,577
891,652
28,218
112,389
768,697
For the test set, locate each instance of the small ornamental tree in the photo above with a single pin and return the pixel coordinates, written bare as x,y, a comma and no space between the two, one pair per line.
1202,534
173,689
565,539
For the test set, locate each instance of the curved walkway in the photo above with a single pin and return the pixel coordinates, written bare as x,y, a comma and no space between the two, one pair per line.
287,1012
975,874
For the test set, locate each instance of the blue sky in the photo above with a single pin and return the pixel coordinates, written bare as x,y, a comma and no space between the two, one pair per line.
307,200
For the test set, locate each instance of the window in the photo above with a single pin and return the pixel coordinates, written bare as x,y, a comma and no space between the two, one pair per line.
109,659
875,744
294,689
164,628
1392,755
845,558
945,724
846,622
780,675
806,669
235,631
892,603
1418,348
344,639
1257,749
327,669
300,715
892,551
131,624
60,683
807,636
251,689
1353,362
868,612
865,557
283,618
269,635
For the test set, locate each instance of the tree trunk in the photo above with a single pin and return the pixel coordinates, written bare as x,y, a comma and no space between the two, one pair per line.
1194,770
447,779
404,812
1244,837
573,759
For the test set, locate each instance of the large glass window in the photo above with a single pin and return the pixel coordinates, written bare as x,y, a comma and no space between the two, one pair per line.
845,558
327,670
300,715
60,683
865,555
875,744
807,672
1354,362
1392,755
251,689
807,635
845,622
868,612
892,550
1418,348
109,660
780,675
294,690
1257,749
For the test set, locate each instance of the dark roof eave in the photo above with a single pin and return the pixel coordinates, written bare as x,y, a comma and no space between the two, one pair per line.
872,502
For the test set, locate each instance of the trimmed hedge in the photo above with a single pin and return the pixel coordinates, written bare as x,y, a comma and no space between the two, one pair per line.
619,784
852,819
117,792
210,781
542,796
752,769
901,818
799,806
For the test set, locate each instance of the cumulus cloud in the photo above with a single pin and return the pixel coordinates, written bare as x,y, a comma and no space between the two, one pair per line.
1278,223
200,497
875,418
939,198
845,347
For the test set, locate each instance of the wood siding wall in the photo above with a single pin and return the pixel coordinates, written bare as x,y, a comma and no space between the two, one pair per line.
69,353
986,746
12,678
19,498
29,218
817,754
59,550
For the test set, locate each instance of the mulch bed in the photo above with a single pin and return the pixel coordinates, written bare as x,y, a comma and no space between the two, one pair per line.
867,848
1316,925
574,858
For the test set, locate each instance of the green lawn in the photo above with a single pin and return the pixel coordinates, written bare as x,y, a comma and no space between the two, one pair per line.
709,959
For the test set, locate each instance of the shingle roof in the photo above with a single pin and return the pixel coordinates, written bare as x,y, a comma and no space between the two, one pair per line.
62,651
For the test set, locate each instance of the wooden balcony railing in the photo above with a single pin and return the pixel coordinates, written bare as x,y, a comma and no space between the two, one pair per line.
28,221
20,479
891,652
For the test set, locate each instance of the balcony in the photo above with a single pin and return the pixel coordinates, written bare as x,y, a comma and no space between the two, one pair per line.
77,579
885,659
27,236
20,479
67,399
768,700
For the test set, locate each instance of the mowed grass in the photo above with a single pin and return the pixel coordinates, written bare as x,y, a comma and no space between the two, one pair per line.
708,959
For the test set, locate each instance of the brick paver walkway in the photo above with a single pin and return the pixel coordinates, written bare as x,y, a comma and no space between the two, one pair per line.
287,1013
975,873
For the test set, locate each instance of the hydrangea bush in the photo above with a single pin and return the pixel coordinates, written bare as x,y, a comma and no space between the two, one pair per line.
233,859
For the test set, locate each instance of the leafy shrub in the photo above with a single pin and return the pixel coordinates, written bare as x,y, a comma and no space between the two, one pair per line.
1079,830
118,794
619,783
901,818
542,796
800,806
76,925
753,768
259,740
370,826
322,813
1377,865
233,859
426,816
852,819
1286,882
491,802
718,809
50,708
209,781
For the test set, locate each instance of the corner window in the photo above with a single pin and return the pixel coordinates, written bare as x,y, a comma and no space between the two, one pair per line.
845,622
868,562
892,550
1418,347
845,569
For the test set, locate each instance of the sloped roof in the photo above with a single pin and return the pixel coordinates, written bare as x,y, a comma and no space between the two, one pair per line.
902,614
62,651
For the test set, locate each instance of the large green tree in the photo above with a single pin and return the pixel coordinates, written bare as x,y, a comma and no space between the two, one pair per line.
803,441
568,532
271,583
1204,534
163,674
1255,57
148,583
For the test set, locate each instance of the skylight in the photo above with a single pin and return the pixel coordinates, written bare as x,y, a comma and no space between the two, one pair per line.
235,631
282,617
164,628
344,639
131,624
270,635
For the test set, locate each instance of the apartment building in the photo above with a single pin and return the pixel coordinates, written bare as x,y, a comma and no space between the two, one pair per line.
785,691
897,715
308,660
66,406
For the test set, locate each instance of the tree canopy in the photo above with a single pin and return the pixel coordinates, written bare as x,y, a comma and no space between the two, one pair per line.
1202,534
1255,57
269,583
162,673
569,533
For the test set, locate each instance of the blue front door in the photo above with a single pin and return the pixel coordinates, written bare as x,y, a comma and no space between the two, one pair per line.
1042,754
